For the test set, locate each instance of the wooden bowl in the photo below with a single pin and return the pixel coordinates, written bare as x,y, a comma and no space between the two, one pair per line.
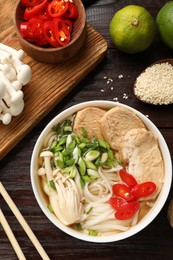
52,54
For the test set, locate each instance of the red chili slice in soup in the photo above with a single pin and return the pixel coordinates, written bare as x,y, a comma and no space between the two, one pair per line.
123,191
127,211
117,203
128,178
143,189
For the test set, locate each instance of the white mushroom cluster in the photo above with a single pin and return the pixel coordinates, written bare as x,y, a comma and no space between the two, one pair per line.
14,74
65,197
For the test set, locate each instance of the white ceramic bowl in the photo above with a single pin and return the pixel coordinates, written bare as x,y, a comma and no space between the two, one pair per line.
146,220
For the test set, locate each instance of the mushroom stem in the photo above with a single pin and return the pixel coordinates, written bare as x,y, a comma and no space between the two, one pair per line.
2,90
14,110
18,54
16,96
5,115
47,156
23,71
5,118
5,57
8,71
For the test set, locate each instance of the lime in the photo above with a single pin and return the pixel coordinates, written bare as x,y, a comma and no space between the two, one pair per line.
132,29
164,21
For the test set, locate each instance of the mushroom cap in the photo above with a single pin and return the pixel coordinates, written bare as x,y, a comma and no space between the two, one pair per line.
24,74
6,118
17,97
46,154
17,109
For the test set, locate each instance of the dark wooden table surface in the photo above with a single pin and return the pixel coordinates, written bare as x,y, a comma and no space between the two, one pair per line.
156,241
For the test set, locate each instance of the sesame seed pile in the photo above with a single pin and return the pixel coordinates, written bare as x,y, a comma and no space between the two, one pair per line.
155,84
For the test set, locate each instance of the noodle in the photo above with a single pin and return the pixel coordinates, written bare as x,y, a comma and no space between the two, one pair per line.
86,205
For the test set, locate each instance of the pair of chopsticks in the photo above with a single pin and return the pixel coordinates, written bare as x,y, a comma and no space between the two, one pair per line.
23,223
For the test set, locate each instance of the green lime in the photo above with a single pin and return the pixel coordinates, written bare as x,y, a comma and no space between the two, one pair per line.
132,29
164,23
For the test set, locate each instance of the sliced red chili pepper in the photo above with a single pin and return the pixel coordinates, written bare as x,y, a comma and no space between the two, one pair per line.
123,191
31,2
57,8
69,24
143,189
49,35
26,30
117,203
38,35
61,32
72,11
127,211
43,14
128,178
32,11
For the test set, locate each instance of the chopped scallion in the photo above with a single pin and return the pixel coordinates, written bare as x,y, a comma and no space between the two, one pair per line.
92,232
52,184
82,183
89,211
50,208
78,226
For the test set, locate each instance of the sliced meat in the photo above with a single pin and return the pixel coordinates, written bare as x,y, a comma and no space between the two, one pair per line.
140,148
89,118
115,124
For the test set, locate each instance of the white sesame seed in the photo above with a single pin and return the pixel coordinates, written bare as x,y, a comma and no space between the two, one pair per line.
110,79
154,85
120,76
125,96
102,90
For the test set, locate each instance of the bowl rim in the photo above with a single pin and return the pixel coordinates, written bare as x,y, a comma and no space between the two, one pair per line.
49,49
154,210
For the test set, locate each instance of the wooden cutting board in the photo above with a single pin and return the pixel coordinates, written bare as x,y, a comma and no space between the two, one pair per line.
49,83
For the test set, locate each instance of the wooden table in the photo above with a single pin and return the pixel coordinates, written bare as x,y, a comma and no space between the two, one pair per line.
156,241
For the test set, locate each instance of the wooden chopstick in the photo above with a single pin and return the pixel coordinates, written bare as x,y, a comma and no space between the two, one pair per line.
11,236
23,223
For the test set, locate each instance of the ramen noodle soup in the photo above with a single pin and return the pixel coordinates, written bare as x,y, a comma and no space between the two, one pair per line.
101,170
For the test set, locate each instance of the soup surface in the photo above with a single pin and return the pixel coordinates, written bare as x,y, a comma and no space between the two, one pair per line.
101,170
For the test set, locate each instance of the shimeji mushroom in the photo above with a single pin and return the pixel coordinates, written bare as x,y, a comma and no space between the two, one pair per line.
5,57
5,115
65,198
15,96
5,118
19,54
17,85
23,71
14,73
8,71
